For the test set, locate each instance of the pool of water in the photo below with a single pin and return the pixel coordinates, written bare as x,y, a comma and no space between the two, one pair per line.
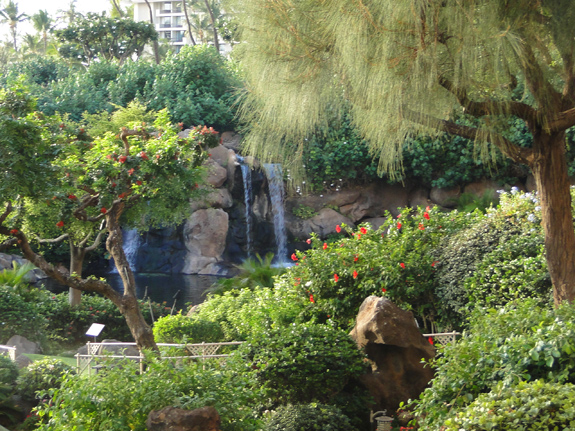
181,289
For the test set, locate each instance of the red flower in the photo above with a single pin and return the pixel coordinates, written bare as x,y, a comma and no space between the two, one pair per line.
354,274
337,229
421,227
434,262
122,195
363,230
427,208
293,257
122,159
426,215
311,299
399,225
143,155
72,197
402,265
358,236
14,231
131,171
109,156
60,224
103,210
383,289
356,258
139,182
113,184
430,339
157,156
325,245
336,277
309,241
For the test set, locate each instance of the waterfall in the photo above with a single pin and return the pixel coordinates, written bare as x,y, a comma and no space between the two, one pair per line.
131,245
276,186
247,179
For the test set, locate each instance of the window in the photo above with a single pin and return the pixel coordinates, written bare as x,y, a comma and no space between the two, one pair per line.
165,22
167,35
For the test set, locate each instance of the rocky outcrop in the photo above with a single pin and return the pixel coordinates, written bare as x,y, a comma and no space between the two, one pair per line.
23,345
394,347
445,197
231,140
7,262
174,419
205,235
323,224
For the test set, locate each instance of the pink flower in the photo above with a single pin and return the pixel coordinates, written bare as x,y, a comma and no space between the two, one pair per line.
402,265
293,257
309,241
363,230
338,229
336,277
354,274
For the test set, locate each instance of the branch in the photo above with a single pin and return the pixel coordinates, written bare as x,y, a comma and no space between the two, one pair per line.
96,242
87,201
85,285
480,109
130,132
514,152
7,212
9,243
563,121
54,240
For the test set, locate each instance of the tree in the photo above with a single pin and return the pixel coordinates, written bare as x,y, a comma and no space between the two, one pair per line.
11,16
126,179
465,68
43,23
100,37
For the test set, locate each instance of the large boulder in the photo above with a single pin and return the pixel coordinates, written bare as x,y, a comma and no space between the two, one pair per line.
479,188
323,224
23,345
174,419
445,197
217,175
394,346
204,235
215,198
232,140
220,155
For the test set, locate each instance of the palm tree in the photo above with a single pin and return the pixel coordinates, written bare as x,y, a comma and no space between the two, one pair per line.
31,44
43,23
11,16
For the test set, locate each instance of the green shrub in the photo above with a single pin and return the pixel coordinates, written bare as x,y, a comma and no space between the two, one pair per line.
308,417
20,317
121,398
41,376
304,212
8,371
302,363
529,406
184,329
520,342
246,312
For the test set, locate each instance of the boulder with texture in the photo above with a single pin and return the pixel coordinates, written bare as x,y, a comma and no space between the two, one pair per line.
217,175
204,235
174,419
395,347
445,197
323,224
23,345
232,140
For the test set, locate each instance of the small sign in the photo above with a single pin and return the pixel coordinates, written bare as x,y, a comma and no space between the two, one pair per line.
95,329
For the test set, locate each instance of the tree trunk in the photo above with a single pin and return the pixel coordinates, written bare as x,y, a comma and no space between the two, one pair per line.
212,18
77,255
155,44
550,171
129,305
185,6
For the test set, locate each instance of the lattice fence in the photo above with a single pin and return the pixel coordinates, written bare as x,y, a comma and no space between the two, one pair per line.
8,350
444,337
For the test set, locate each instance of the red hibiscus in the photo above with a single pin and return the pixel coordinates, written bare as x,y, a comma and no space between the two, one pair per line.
354,274
293,257
383,289
311,299
325,245
421,227
426,215
131,171
103,210
338,229
14,231
72,197
60,224
139,182
399,225
143,155
402,265
308,241
336,277
122,159
430,339
363,230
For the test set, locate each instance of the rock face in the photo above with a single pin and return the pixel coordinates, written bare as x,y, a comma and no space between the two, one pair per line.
174,419
205,235
7,262
395,348
23,345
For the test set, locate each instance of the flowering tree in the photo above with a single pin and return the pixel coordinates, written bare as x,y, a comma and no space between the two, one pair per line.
145,174
467,68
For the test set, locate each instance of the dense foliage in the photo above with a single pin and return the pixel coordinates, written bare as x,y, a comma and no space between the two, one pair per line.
42,376
121,398
308,417
523,341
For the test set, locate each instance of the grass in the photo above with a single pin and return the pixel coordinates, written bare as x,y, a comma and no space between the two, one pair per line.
65,359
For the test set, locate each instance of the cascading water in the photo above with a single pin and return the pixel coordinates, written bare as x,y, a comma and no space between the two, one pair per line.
132,241
247,180
274,175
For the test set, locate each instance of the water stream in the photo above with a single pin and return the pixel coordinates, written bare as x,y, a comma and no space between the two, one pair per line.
274,175
247,180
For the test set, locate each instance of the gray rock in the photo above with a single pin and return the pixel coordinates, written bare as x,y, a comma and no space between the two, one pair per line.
217,175
205,235
232,140
445,197
174,419
23,361
23,345
220,155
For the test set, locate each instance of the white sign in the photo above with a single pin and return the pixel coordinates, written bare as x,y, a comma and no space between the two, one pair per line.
95,329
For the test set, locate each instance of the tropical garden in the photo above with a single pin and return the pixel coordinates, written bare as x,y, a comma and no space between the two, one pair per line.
90,145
